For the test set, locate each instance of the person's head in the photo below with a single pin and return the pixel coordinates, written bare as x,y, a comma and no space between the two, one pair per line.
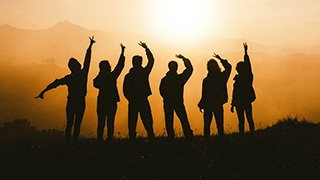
240,67
74,65
213,66
136,61
173,66
104,66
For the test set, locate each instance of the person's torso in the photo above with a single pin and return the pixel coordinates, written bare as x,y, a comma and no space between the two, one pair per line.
137,84
215,89
77,85
173,88
108,87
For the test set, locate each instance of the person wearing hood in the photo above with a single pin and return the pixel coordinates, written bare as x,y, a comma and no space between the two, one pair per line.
214,94
136,89
106,82
171,90
243,93
77,91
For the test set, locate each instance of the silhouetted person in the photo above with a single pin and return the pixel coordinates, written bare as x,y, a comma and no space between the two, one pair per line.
171,90
77,90
106,82
243,92
136,89
214,94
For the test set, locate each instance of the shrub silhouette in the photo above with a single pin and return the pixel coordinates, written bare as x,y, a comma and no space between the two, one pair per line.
21,130
289,122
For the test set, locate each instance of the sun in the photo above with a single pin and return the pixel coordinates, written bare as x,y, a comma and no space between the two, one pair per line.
182,20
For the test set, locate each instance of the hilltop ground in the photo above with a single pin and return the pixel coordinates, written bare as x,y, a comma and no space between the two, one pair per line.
288,149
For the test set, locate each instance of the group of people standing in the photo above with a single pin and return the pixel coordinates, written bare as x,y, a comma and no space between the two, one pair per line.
136,89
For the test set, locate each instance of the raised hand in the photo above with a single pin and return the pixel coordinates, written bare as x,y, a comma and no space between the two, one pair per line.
143,44
180,56
92,40
217,56
122,47
245,46
39,96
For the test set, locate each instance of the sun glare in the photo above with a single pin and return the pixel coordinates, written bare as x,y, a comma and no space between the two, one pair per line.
182,20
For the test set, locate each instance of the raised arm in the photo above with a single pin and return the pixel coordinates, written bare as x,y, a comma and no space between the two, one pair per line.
189,69
150,57
246,57
227,66
52,85
119,67
87,59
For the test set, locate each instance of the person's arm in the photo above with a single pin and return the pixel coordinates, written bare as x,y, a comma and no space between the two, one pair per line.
119,67
162,89
127,88
246,57
232,101
150,57
189,69
97,82
87,58
52,85
227,66
201,102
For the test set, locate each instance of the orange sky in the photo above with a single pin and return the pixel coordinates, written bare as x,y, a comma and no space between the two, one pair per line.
282,23
291,23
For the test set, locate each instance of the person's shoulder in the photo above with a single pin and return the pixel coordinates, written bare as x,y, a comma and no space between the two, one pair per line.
97,77
67,76
164,78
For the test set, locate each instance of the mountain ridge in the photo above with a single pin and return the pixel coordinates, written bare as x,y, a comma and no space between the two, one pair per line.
220,44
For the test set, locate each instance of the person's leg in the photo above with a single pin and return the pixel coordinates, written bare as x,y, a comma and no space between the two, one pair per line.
218,115
81,105
102,114
146,117
70,120
248,111
132,119
182,115
240,113
207,117
168,113
112,109
101,125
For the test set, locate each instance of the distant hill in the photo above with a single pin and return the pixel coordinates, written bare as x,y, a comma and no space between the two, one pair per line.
66,39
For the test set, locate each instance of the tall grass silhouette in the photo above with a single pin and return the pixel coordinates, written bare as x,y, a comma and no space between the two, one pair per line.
288,149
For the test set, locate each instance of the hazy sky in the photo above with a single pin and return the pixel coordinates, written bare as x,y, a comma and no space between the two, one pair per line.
293,23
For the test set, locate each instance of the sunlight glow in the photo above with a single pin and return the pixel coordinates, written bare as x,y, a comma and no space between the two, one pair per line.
183,20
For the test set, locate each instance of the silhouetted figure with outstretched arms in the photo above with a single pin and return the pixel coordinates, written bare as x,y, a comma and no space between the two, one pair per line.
136,89
77,90
214,94
106,82
243,93
171,90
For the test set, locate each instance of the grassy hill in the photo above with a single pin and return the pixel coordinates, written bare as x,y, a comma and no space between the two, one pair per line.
288,149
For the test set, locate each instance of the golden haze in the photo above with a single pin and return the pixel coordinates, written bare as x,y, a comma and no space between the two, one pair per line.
285,82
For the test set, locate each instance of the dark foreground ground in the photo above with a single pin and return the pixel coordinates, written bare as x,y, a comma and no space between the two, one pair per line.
288,150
